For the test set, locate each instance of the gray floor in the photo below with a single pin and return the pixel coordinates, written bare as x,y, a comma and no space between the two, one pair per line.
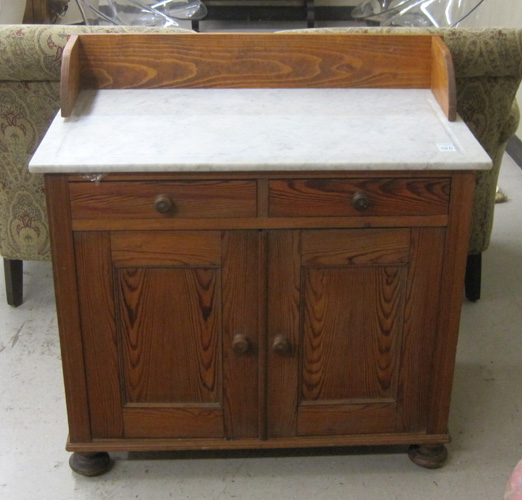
486,415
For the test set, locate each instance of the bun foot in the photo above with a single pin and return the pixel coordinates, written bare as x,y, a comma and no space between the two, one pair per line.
90,464
429,456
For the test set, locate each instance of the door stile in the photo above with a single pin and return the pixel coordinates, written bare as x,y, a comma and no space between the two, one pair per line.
283,332
263,325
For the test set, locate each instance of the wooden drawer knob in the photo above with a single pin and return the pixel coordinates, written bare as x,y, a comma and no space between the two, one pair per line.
240,344
163,204
360,201
281,344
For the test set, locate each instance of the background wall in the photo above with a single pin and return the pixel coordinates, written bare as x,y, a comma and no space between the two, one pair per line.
11,11
72,15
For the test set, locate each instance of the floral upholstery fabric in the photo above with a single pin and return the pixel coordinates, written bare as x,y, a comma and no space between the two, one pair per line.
30,60
488,67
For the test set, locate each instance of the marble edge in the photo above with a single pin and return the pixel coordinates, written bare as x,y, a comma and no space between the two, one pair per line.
227,168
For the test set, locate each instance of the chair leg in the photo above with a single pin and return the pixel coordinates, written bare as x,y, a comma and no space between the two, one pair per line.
473,277
14,280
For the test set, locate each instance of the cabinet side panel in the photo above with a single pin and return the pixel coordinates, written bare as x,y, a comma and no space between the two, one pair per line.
242,308
420,328
67,306
99,337
284,319
454,268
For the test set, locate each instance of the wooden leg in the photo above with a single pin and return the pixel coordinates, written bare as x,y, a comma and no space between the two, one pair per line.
473,277
14,281
90,464
429,456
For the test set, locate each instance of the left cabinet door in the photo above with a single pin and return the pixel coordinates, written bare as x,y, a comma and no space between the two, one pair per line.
170,332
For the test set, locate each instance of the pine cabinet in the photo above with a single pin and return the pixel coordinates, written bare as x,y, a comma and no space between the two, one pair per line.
227,279
221,312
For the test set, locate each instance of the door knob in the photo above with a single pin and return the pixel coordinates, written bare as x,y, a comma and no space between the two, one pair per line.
360,201
281,344
240,344
163,203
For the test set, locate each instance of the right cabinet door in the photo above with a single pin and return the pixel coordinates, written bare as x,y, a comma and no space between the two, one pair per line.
352,325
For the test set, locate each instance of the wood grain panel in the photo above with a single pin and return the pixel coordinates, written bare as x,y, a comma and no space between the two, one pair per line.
116,224
263,175
355,247
452,282
166,444
68,307
333,197
443,83
173,422
420,328
99,333
284,282
192,199
243,309
255,60
70,77
346,419
170,334
166,248
352,332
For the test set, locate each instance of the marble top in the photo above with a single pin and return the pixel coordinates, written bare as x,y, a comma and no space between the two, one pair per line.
256,129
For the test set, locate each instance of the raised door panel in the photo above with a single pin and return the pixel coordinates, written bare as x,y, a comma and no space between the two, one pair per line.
352,325
161,362
168,344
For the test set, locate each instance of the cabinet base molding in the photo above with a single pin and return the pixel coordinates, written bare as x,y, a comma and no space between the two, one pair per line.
126,445
87,460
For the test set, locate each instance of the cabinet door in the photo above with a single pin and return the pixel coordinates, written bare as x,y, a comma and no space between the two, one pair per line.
170,329
351,330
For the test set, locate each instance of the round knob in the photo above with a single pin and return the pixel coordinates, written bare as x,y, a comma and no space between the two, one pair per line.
163,203
360,201
240,344
281,344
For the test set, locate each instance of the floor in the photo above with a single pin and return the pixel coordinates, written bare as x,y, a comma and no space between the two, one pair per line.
486,414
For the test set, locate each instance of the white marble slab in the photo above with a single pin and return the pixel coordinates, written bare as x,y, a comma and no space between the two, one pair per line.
256,129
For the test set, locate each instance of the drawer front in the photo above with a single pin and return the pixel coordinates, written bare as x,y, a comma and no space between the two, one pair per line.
153,200
358,197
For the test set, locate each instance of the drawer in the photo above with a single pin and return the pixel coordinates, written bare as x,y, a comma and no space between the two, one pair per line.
163,199
358,197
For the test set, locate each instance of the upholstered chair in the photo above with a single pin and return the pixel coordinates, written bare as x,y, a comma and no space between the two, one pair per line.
30,60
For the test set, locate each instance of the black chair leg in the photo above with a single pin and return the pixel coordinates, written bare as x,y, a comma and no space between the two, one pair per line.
14,281
473,277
